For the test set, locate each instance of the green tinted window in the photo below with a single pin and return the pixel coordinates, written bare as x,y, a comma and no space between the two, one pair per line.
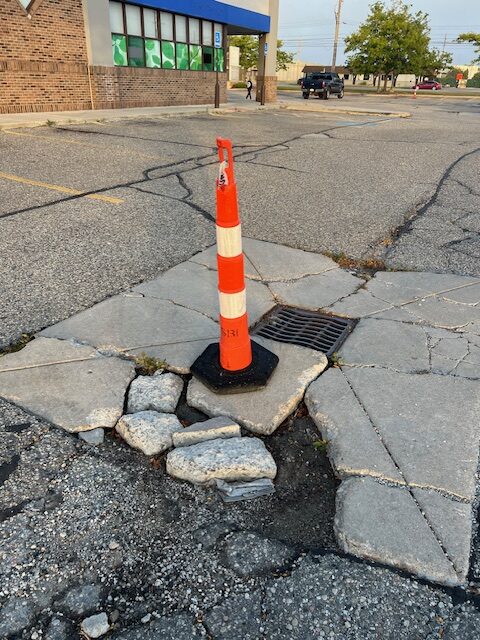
136,52
219,60
119,48
195,57
152,53
208,58
168,55
182,56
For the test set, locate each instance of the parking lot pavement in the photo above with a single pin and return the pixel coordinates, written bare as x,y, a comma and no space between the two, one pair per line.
322,182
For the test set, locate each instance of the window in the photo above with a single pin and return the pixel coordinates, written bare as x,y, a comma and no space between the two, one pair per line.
346,76
116,17
166,25
180,29
134,20
194,30
207,33
26,4
145,37
150,25
366,76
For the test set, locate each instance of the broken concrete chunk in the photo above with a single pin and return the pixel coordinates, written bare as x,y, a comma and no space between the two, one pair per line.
93,437
160,392
235,491
231,459
149,431
209,430
96,626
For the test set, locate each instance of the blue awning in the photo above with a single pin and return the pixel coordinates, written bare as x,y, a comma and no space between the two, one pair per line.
215,11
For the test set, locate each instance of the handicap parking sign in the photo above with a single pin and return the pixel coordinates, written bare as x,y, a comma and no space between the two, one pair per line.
218,39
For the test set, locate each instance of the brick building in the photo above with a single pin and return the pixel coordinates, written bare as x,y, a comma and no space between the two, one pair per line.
96,54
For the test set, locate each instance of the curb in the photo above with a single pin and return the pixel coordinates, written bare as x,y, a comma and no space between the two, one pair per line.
351,112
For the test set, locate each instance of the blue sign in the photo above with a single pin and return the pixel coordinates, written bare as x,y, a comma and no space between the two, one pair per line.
265,49
218,39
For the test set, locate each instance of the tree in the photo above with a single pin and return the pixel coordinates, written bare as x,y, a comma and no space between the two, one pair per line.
451,77
392,40
474,38
475,81
248,46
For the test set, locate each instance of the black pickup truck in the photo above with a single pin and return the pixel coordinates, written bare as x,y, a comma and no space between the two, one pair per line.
323,85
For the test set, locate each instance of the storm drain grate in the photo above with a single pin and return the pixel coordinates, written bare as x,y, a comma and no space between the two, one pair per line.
305,328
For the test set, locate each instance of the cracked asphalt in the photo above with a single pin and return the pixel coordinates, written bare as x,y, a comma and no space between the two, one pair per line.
165,559
362,186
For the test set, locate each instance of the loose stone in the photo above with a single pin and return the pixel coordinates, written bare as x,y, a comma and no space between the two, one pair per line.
95,626
209,430
149,431
160,392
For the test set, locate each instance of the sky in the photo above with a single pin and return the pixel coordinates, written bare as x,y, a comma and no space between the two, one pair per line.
308,27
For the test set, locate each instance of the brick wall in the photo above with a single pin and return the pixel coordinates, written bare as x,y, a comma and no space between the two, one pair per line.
270,88
43,59
132,87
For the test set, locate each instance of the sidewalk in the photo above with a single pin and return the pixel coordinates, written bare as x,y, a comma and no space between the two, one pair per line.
17,120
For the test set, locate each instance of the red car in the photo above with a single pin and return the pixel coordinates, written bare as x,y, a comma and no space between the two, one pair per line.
429,84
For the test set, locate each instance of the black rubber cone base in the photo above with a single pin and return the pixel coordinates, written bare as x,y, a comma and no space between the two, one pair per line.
208,370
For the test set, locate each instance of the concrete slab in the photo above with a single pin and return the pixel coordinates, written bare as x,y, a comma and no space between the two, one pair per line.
135,325
317,291
429,423
384,524
229,459
360,304
71,386
399,287
395,345
275,262
449,315
208,258
195,286
264,410
354,447
451,522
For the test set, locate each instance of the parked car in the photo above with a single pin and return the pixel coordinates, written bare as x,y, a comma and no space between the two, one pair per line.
429,84
322,85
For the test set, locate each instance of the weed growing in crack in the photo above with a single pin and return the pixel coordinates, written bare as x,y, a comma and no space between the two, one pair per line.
51,123
24,339
335,360
344,261
147,365
321,445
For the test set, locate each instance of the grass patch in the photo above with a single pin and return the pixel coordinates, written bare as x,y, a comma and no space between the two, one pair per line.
239,85
24,339
147,365
51,123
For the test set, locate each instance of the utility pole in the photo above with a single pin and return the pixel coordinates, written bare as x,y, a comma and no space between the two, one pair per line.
338,13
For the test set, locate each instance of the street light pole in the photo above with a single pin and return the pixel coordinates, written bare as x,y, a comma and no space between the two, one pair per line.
338,13
262,93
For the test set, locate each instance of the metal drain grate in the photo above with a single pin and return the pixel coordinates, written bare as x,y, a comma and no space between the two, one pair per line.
305,328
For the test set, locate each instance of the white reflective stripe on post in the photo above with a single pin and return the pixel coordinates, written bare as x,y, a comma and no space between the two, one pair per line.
229,241
232,305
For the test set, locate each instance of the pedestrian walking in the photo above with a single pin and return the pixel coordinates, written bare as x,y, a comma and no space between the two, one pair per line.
249,90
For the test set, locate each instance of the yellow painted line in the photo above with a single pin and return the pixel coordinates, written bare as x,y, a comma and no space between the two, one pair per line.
69,141
56,187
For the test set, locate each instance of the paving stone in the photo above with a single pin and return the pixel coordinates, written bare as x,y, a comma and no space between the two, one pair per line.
249,554
441,313
81,601
337,599
95,626
354,446
232,459
359,304
194,286
464,623
16,615
148,431
452,523
417,417
276,262
136,325
239,617
155,393
398,287
208,258
83,391
316,292
383,523
396,345
178,627
264,410
94,437
209,430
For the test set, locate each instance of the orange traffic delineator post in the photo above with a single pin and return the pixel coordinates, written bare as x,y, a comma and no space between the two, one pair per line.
236,364
414,91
